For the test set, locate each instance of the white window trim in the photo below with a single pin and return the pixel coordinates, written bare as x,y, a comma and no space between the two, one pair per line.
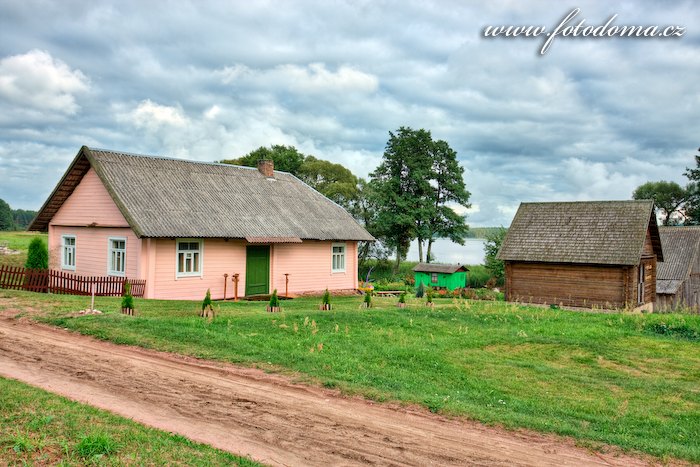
201,258
110,272
345,257
63,252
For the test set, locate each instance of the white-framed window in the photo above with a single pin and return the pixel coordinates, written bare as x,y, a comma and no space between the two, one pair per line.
338,257
189,257
68,252
434,278
116,256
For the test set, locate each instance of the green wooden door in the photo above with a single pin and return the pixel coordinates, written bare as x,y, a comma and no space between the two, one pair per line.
257,270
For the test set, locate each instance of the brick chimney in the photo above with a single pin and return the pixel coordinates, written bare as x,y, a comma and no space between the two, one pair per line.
266,167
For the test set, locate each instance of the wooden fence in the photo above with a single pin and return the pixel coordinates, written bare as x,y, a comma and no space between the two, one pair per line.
60,282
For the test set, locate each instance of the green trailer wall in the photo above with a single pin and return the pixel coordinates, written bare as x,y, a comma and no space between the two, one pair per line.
455,280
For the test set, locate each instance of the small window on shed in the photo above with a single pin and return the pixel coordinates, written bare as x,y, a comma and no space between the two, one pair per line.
434,277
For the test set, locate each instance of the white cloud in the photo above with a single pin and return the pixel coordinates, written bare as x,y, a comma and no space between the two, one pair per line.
314,78
39,81
212,112
150,115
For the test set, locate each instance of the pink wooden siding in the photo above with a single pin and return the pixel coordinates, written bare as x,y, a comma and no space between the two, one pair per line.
90,203
308,263
220,257
309,266
91,249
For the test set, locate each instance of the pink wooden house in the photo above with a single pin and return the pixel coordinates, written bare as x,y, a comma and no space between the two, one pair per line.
182,225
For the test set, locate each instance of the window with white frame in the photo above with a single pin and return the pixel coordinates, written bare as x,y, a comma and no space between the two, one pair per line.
338,258
189,258
116,256
68,252
434,278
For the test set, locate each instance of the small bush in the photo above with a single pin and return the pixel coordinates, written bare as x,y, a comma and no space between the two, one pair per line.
402,298
383,285
680,330
429,295
420,291
206,303
326,299
274,300
127,299
368,300
37,255
477,276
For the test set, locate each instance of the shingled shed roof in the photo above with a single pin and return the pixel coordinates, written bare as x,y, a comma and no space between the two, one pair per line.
162,197
590,232
680,246
444,268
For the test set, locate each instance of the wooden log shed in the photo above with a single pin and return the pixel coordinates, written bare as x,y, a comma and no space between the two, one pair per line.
678,276
597,254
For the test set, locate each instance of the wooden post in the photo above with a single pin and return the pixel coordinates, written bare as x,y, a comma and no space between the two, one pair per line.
225,280
286,285
235,287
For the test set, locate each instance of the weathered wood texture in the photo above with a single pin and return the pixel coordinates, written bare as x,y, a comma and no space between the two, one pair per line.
579,285
678,278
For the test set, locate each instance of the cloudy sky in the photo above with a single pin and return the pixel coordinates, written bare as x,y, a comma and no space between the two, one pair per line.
590,119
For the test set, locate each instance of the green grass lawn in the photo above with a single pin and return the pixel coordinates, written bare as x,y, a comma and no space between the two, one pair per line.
37,427
627,380
17,241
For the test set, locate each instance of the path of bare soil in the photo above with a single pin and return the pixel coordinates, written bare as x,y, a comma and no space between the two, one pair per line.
273,420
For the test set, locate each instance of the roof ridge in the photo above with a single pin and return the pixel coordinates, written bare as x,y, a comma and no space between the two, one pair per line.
175,159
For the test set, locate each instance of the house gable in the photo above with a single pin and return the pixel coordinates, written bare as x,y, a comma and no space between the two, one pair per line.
89,205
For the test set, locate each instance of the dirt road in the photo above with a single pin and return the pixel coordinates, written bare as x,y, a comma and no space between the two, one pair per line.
249,412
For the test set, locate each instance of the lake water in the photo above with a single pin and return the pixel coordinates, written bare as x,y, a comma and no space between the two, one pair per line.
444,251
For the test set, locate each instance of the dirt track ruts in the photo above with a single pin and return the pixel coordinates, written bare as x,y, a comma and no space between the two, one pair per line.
275,421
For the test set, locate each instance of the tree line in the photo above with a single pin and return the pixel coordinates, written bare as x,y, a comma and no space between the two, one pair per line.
14,219
414,194
675,204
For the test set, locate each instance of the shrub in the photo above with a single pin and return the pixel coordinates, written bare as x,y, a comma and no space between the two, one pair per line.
496,267
402,298
274,300
206,303
326,300
127,299
368,300
429,295
38,255
420,291
477,276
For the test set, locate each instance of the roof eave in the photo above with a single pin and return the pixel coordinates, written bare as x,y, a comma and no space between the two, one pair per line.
37,223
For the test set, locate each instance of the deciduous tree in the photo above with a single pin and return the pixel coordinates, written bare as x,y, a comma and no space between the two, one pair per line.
6,220
669,198
449,190
402,191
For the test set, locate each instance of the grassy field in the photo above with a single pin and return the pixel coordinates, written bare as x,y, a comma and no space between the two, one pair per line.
37,427
627,380
17,241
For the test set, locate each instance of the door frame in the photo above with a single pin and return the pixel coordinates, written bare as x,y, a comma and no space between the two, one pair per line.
269,258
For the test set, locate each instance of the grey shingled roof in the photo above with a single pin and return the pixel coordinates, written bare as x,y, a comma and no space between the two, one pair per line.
592,232
680,246
162,197
445,268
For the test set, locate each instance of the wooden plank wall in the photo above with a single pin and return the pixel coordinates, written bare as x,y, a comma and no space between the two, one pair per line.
569,284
